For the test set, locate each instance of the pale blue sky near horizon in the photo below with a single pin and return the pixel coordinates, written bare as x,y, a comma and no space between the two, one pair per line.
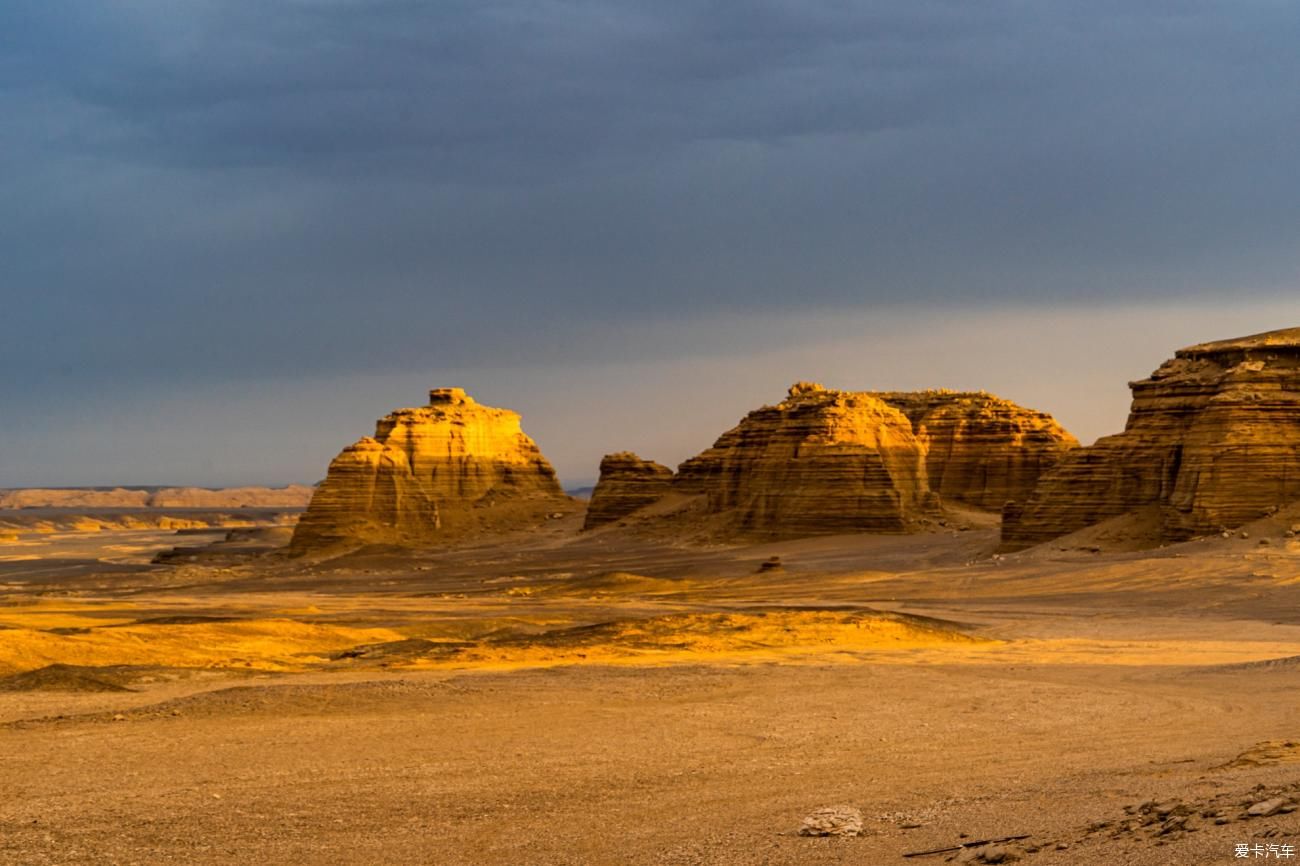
235,232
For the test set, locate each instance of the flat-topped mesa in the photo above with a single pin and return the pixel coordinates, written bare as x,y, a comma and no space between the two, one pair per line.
819,462
627,483
429,473
1213,438
981,450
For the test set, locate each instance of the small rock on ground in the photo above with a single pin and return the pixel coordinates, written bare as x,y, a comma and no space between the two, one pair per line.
833,821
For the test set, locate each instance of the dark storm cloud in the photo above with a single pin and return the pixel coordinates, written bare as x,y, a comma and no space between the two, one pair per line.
241,189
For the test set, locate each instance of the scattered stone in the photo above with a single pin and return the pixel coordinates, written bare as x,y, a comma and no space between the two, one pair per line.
833,821
986,854
1267,808
118,717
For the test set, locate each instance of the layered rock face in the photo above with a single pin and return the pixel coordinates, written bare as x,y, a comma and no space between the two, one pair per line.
1213,438
427,474
819,462
825,461
626,484
981,450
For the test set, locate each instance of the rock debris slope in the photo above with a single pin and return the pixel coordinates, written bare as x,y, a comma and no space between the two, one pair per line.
1213,439
428,474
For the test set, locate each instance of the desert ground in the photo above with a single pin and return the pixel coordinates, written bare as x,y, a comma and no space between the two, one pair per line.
622,697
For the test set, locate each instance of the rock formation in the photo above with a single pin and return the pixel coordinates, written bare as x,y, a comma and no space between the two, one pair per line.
826,461
1213,439
981,450
819,462
428,474
626,484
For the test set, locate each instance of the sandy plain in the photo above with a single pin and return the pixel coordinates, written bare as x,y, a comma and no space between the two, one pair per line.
616,697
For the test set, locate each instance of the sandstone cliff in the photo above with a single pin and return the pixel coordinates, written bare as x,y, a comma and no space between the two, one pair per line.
1213,438
981,450
819,462
826,461
428,474
626,484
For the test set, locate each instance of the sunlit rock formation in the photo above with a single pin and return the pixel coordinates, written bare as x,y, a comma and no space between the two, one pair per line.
626,484
821,461
981,450
1213,438
826,461
428,474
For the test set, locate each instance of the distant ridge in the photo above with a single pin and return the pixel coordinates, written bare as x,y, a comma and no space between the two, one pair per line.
291,496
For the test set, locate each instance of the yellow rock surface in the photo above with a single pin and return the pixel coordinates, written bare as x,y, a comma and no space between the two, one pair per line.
825,461
626,484
1213,439
430,473
981,450
819,462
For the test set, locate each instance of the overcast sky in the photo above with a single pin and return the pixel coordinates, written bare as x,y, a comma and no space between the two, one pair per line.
234,232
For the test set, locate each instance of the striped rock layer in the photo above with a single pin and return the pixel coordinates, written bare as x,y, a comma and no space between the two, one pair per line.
825,461
1213,439
981,450
627,483
429,473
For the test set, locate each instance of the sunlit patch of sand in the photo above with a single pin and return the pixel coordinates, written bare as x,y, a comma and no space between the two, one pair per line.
63,614
1071,651
783,635
260,644
1266,754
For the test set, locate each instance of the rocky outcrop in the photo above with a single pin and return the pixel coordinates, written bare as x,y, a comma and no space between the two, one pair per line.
819,462
825,461
981,450
627,483
429,474
1213,439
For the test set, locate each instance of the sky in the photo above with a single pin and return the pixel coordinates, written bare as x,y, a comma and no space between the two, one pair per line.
233,233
